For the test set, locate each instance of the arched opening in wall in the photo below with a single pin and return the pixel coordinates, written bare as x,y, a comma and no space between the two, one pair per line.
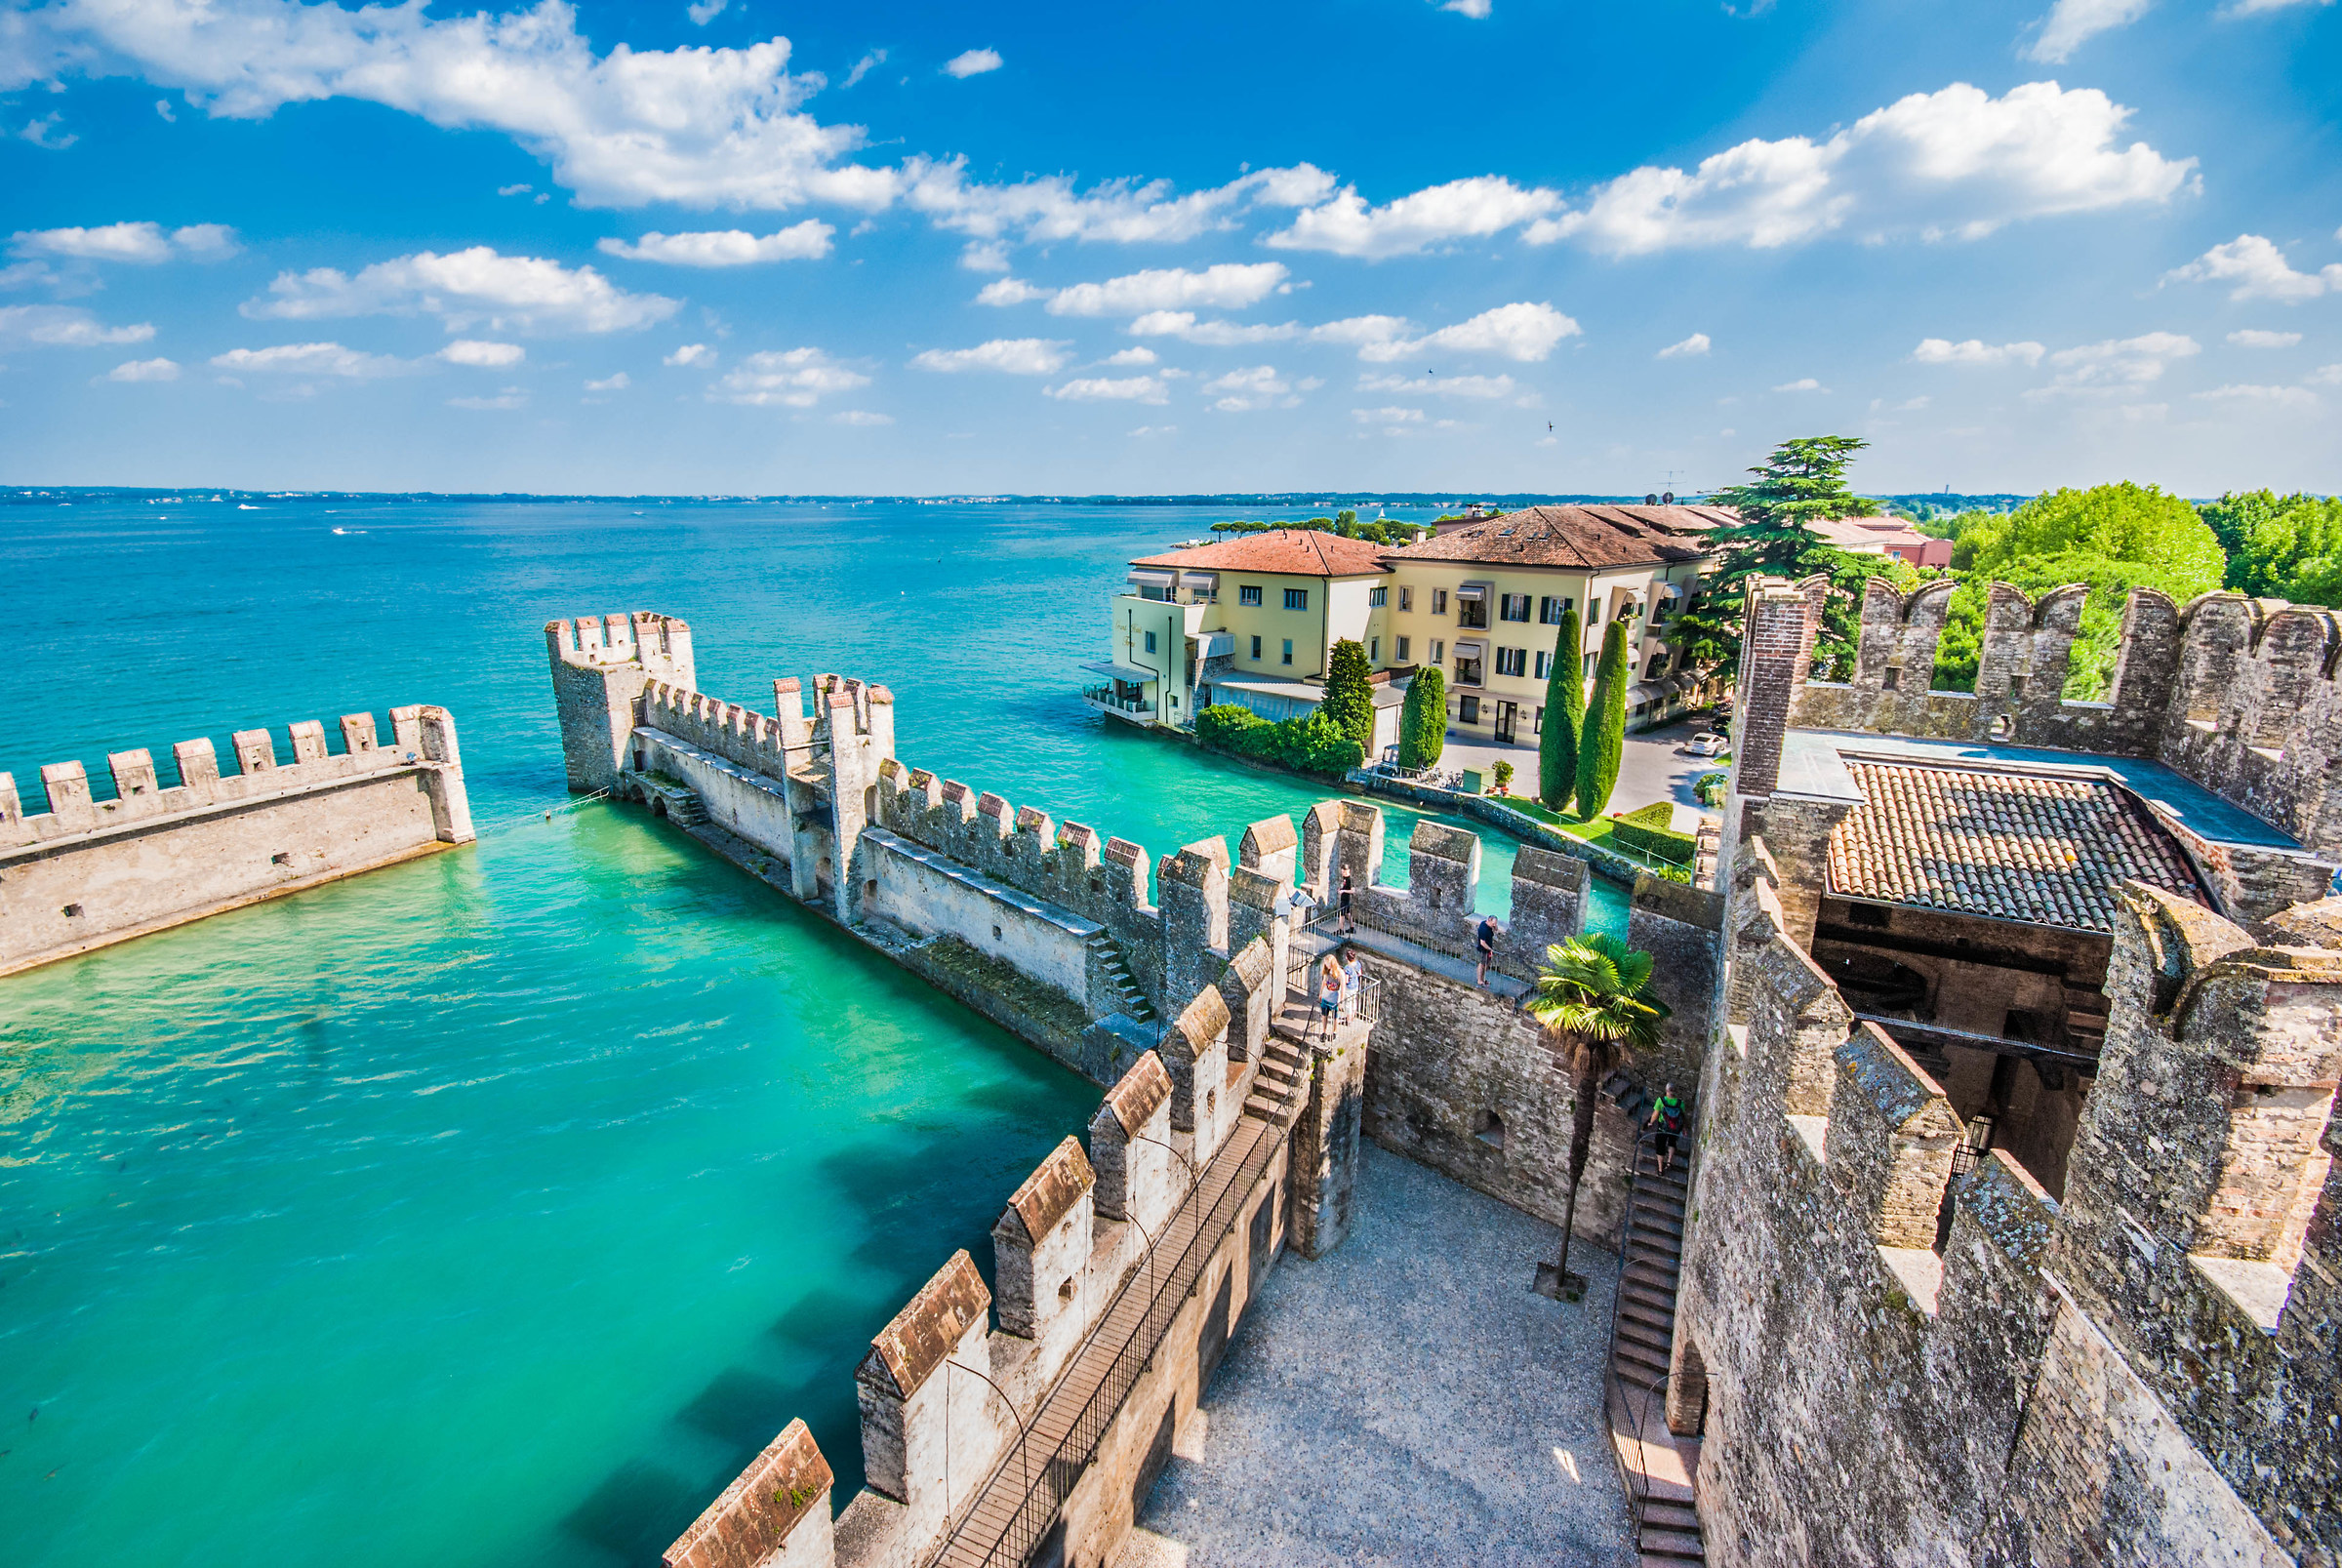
869,891
1687,1392
1064,1292
1490,1130
657,804
870,804
2004,728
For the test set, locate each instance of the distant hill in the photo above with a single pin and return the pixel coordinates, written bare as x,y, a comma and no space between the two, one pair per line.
1949,504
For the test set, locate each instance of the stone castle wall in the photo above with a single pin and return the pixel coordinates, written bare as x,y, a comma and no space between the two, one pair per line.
88,873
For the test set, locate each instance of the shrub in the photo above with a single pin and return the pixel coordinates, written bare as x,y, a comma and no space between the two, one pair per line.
1350,693
1504,776
1316,743
1710,787
1224,725
1648,831
1423,721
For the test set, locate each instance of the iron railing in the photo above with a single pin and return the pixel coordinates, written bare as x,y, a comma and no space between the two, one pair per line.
1054,1478
1103,697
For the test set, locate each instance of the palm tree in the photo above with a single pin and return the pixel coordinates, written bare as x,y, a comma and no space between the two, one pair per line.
1592,998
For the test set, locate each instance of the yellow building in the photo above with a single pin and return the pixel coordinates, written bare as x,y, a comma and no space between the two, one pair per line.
1485,603
1253,620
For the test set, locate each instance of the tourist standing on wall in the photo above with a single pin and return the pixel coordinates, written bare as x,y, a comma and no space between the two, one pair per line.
1354,983
1347,927
1329,995
1485,939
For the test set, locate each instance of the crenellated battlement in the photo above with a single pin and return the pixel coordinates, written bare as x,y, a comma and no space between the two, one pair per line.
2242,696
656,642
88,871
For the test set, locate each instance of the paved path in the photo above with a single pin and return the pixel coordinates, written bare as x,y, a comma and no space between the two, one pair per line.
1652,768
1405,1400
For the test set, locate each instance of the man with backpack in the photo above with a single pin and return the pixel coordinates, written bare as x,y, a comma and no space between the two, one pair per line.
1667,1114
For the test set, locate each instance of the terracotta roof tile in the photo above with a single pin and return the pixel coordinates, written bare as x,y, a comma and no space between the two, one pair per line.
1576,537
2009,846
1303,552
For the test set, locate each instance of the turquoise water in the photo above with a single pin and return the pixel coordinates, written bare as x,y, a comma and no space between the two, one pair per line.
496,1207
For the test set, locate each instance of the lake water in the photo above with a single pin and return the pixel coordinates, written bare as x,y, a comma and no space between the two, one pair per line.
493,1209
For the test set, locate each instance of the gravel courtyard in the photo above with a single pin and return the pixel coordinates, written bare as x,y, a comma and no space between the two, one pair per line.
1406,1400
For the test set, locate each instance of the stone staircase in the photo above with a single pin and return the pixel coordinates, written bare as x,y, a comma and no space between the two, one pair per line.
1282,1065
677,803
1667,1523
1125,987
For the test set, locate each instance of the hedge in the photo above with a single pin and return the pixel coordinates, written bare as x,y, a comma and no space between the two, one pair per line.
1648,831
1314,744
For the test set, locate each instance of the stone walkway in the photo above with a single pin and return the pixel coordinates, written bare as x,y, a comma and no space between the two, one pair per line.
1405,1400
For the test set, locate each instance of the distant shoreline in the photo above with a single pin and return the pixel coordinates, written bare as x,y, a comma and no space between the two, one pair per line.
1320,499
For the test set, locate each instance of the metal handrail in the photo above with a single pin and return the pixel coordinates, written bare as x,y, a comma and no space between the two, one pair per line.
1045,1498
1640,1479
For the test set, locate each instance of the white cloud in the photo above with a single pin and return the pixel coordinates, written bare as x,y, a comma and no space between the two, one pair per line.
1386,416
1008,291
1135,355
691,354
1228,285
464,288
2325,376
1804,384
2249,8
512,397
2070,22
2255,337
1478,388
514,190
1245,390
611,383
863,68
2116,365
986,255
1362,332
310,359
808,241
797,377
2289,397
704,12
161,106
2259,271
1017,356
145,370
64,326
1476,9
973,63
42,132
1690,347
1975,351
1954,163
485,355
1111,389
860,417
1462,208
1042,210
696,126
142,242
1182,324
1151,431
1521,332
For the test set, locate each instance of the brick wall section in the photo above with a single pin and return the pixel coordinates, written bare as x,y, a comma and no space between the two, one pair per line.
1776,650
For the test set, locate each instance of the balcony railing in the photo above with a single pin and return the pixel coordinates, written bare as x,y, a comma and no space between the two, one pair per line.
1103,697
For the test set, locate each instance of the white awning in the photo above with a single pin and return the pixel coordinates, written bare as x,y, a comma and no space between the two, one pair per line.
1643,692
1206,580
1147,576
1670,590
1470,650
1474,591
1115,671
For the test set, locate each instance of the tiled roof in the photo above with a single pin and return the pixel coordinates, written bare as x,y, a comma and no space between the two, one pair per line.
1575,537
2011,846
1300,551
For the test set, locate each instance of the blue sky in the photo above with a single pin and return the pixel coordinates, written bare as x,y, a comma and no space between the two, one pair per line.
732,246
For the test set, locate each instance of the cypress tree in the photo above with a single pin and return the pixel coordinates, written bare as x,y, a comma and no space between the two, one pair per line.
1603,745
1350,693
1423,721
1564,716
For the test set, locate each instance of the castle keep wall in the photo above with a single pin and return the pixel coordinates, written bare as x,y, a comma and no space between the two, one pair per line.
88,873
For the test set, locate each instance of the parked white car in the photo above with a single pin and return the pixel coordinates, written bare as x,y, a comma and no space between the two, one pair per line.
1707,743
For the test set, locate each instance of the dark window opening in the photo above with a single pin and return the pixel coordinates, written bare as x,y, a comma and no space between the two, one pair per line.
1491,1130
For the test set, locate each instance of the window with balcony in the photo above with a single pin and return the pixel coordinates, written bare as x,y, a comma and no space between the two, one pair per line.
1472,613
1439,601
1513,607
1288,650
1297,599
1197,595
1376,598
1657,668
1406,599
1511,661
1550,610
1402,650
1467,710
1249,594
1467,669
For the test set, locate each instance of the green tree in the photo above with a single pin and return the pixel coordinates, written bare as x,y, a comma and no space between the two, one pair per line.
1802,483
2281,547
2110,538
1344,517
1350,693
1849,576
1564,716
1422,719
1592,998
1602,746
